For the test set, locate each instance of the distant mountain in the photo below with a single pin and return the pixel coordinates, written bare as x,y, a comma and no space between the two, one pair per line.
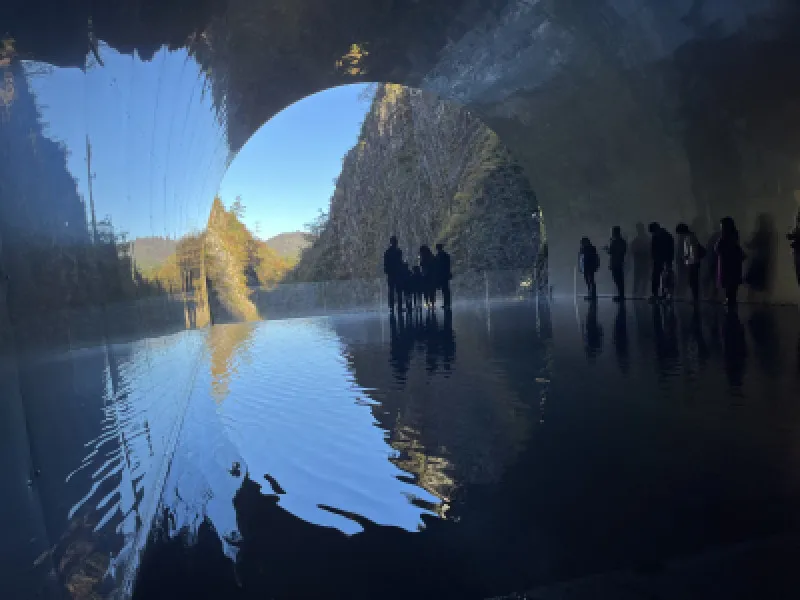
149,252
290,244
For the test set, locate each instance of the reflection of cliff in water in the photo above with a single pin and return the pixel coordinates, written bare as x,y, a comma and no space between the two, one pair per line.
450,431
228,345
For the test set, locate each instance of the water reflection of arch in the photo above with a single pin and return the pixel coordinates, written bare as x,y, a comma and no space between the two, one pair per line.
465,426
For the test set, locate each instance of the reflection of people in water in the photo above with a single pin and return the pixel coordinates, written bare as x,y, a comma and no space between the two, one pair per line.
593,334
417,286
664,327
408,330
621,338
735,348
401,343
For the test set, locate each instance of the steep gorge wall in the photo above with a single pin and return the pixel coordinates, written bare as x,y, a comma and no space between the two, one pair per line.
426,171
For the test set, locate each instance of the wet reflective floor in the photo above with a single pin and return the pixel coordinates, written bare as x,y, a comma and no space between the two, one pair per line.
512,447
505,449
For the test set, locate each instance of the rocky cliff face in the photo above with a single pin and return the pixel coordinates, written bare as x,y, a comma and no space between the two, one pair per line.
426,171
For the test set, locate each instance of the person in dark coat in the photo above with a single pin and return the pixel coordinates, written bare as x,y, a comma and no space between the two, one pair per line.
617,249
662,253
392,264
729,260
443,275
427,263
589,262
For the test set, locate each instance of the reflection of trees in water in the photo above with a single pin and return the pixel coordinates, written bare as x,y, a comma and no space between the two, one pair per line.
228,346
58,256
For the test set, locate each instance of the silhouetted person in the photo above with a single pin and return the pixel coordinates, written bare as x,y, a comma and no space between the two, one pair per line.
729,260
417,286
640,249
392,263
589,262
759,272
400,346
692,257
794,237
617,248
443,275
427,263
662,252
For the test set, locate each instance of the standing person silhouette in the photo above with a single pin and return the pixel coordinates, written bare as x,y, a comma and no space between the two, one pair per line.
693,253
427,263
443,275
392,264
729,261
617,248
662,252
589,263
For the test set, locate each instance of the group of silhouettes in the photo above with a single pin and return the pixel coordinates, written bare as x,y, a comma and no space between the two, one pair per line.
724,258
417,287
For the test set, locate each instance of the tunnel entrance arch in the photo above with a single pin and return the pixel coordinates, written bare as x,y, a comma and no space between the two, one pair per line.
421,168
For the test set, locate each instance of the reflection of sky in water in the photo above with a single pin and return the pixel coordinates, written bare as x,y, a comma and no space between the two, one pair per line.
122,474
158,152
294,414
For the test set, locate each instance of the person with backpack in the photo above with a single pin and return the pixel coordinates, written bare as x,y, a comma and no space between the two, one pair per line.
589,261
693,255
662,253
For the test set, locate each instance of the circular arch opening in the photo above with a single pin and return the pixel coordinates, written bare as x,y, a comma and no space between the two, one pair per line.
415,166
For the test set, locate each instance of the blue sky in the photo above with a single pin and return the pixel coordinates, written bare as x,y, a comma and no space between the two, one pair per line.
158,154
285,172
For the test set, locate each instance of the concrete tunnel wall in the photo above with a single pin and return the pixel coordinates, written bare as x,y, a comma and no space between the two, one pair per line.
620,111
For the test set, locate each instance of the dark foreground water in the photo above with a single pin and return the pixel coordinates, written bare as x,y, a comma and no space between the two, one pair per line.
646,453
564,452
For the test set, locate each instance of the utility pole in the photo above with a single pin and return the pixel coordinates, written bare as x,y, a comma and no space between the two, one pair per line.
89,181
